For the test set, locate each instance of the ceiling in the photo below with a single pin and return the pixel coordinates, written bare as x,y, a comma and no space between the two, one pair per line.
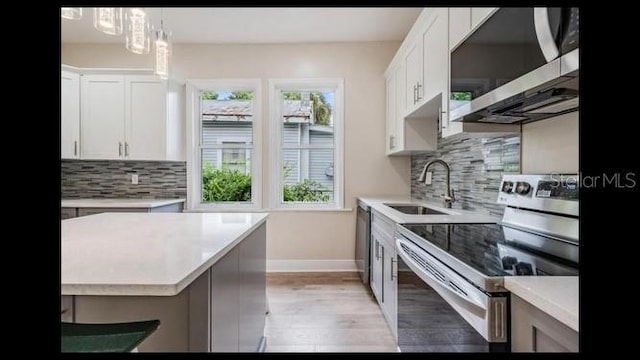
261,25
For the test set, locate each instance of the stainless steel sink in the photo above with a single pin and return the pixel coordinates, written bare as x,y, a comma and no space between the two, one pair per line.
412,209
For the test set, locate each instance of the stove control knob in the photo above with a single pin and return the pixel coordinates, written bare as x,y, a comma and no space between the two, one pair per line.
522,188
507,186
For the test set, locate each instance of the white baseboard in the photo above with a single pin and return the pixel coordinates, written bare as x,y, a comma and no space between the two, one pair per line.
310,265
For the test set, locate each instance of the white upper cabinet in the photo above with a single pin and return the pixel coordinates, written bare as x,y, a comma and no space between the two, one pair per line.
479,14
102,121
130,117
459,25
145,115
69,115
413,71
435,47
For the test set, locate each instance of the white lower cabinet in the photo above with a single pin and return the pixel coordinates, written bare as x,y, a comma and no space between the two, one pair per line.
390,286
376,266
384,268
533,330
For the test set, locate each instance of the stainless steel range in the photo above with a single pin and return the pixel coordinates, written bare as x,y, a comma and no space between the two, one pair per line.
450,276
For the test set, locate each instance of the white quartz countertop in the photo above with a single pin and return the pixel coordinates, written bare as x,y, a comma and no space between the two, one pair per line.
146,254
117,203
555,295
456,215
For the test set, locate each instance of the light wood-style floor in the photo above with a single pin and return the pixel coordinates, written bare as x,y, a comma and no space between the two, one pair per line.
324,312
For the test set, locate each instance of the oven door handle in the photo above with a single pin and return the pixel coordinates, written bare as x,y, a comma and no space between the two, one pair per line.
431,268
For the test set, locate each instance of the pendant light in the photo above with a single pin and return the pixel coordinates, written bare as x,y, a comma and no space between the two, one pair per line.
108,20
71,13
137,34
163,50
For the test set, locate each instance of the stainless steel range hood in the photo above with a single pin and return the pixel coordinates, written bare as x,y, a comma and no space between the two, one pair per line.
548,91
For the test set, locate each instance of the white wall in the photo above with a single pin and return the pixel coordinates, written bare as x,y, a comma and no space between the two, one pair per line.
298,235
551,145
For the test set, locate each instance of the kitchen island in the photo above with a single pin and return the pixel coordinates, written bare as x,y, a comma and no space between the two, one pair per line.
201,274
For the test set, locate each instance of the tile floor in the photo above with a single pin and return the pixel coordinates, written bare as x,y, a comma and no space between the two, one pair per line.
324,312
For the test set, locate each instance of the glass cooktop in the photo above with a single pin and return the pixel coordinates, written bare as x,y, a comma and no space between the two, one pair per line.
492,249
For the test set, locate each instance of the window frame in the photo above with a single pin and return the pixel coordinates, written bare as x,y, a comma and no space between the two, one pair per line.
276,86
194,149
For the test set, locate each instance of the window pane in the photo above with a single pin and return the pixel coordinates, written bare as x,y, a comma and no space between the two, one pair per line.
226,114
305,110
307,175
226,175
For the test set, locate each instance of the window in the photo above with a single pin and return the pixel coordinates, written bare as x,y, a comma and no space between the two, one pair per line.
223,165
306,124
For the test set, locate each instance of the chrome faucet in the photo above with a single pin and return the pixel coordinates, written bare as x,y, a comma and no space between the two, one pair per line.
448,197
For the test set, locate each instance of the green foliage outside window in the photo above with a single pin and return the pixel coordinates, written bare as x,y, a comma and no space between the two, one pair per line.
241,95
220,185
209,95
306,190
224,185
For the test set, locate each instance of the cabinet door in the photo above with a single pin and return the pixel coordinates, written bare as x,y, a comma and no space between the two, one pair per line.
376,266
436,50
69,115
413,70
391,139
253,294
479,14
145,118
224,303
459,25
102,121
400,107
390,286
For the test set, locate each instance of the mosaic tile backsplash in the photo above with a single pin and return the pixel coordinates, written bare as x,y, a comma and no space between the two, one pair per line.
477,165
112,179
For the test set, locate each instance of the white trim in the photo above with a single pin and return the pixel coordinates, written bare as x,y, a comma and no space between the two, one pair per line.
310,265
315,84
194,86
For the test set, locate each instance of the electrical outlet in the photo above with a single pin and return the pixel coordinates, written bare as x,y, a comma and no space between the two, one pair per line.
427,180
134,179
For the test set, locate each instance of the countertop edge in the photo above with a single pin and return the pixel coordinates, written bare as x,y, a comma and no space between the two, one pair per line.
113,203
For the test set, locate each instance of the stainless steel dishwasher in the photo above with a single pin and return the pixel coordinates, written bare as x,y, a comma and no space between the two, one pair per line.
363,236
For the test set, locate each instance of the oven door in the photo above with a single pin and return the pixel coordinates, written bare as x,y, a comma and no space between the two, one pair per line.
439,311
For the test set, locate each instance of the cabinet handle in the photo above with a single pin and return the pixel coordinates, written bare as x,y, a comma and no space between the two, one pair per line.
392,142
126,148
393,261
418,86
119,148
414,94
75,148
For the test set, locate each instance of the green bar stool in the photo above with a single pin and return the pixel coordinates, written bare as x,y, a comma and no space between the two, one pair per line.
118,337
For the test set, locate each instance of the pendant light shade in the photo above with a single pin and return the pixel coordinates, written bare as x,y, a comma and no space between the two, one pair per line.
137,35
71,13
163,53
108,20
